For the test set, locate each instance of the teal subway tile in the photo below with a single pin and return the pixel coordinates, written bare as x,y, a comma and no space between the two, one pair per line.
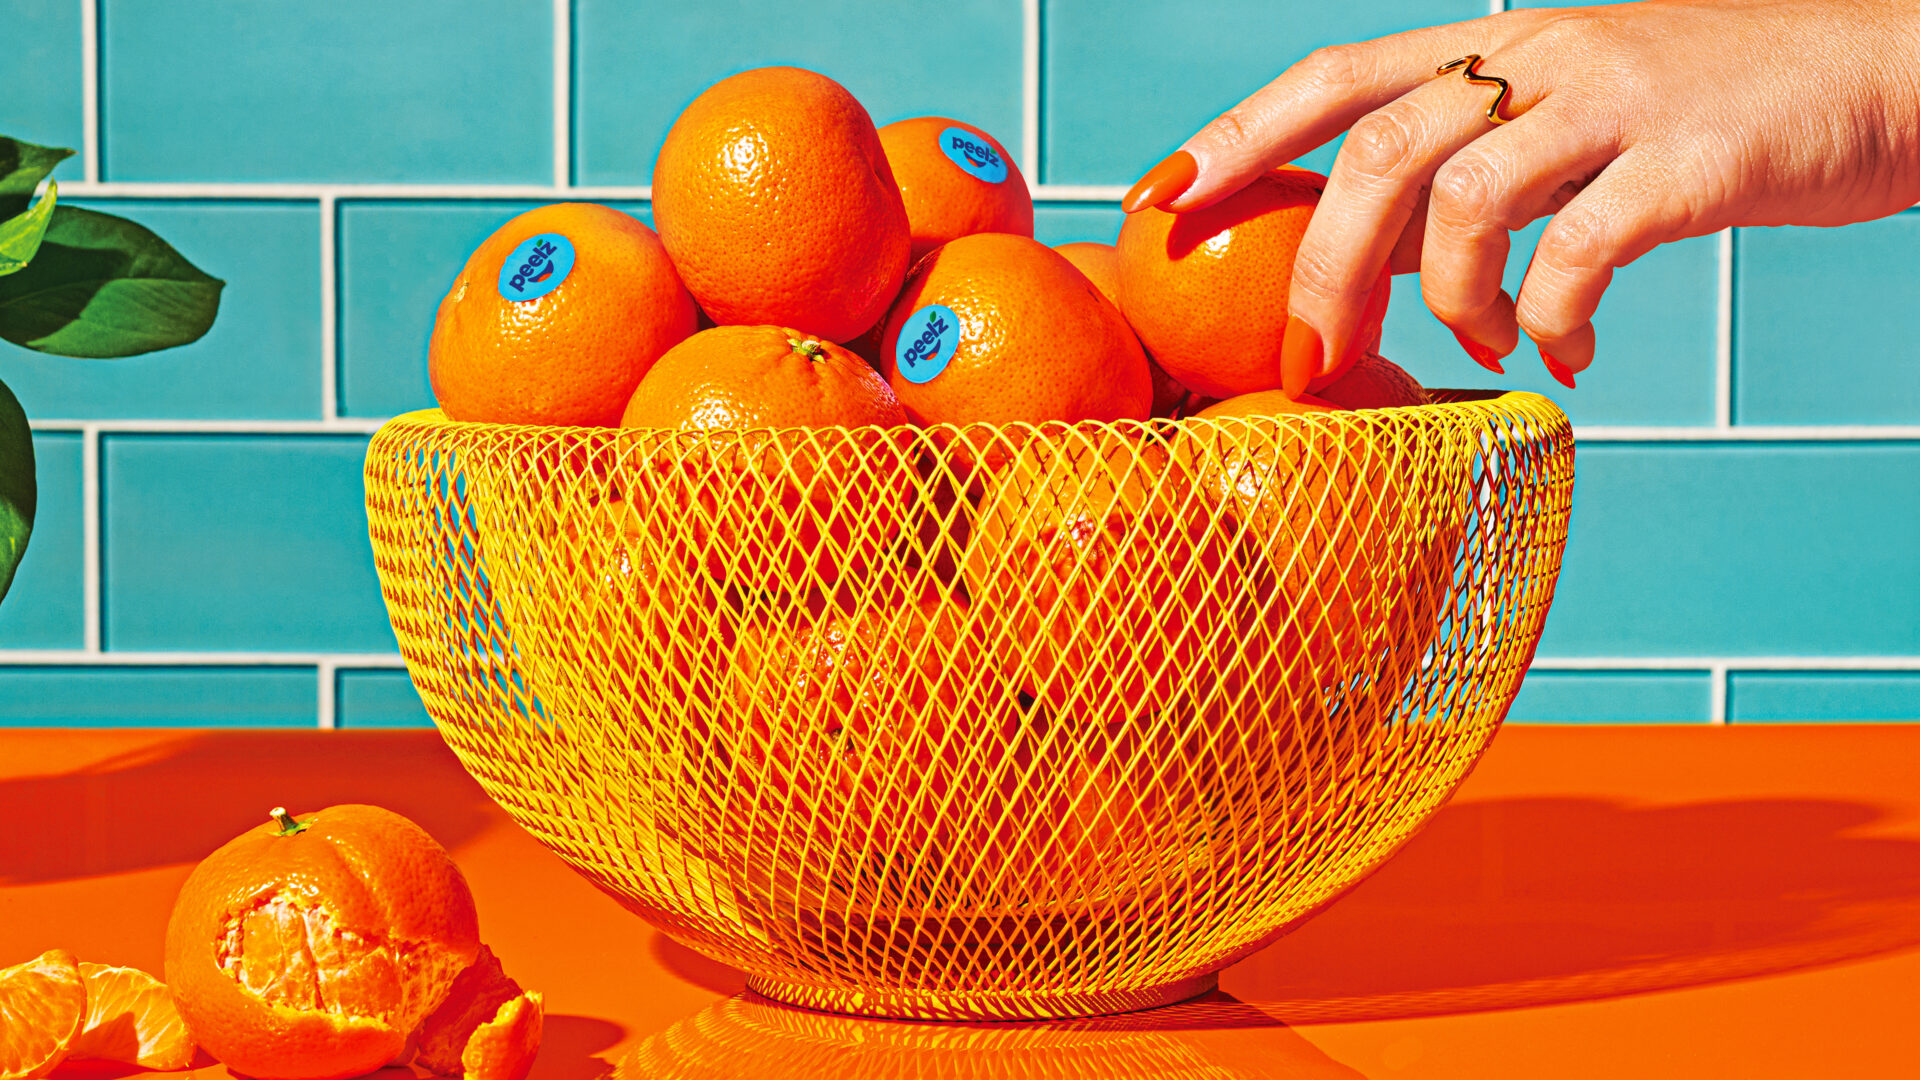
1825,324
397,260
1066,223
1614,697
46,608
1124,84
960,59
1842,696
377,699
439,91
1656,334
238,542
198,697
40,68
261,359
1741,549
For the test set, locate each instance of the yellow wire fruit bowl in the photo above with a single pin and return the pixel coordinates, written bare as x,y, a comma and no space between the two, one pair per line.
1004,722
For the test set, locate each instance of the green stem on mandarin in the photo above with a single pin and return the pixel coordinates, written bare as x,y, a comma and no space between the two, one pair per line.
810,349
288,826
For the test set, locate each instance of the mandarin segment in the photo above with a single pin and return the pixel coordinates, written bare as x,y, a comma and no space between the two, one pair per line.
774,196
310,947
43,1003
131,1018
571,352
955,180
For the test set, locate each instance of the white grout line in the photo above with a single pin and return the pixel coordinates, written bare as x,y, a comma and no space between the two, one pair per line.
1030,91
1079,193
562,93
1495,7
83,658
1753,433
340,425
1726,663
141,189
1717,695
329,311
248,190
324,706
1723,336
90,90
366,425
90,539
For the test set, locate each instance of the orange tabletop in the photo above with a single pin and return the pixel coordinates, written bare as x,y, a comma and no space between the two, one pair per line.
1663,901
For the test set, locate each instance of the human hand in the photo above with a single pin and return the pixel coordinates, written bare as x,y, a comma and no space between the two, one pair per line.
1632,125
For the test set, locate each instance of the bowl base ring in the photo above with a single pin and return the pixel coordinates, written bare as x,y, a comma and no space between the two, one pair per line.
981,1005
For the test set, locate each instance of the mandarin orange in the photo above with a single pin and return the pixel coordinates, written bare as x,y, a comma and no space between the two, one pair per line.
774,196
1100,578
555,317
1207,291
955,180
310,948
1101,264
993,328
764,502
43,1003
1374,382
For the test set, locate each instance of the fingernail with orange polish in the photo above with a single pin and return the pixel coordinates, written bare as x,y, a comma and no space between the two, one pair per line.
1482,355
1300,356
1557,369
1163,183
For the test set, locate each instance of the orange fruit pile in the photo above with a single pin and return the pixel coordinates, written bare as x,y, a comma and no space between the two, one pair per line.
918,465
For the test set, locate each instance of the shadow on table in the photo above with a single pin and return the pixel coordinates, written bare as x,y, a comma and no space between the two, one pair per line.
178,798
1510,903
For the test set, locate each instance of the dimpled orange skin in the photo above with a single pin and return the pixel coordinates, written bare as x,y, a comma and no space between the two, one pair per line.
775,199
737,378
381,879
945,202
1207,290
1374,382
574,355
1037,340
1101,264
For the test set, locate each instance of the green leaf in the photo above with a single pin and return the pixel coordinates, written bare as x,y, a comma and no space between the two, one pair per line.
20,236
23,165
103,286
17,493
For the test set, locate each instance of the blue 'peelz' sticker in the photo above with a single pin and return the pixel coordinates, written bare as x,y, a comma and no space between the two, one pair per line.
975,155
536,267
927,342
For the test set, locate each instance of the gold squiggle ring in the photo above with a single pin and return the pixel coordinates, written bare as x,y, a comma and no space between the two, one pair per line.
1471,62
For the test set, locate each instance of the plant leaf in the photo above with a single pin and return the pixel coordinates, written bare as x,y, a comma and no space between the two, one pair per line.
23,165
103,286
20,236
17,492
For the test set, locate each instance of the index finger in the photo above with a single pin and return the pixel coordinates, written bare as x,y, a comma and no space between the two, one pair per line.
1315,100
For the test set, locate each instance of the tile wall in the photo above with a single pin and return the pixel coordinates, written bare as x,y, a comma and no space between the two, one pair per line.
1746,536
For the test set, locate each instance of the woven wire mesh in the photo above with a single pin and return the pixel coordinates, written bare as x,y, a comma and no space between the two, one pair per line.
995,722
